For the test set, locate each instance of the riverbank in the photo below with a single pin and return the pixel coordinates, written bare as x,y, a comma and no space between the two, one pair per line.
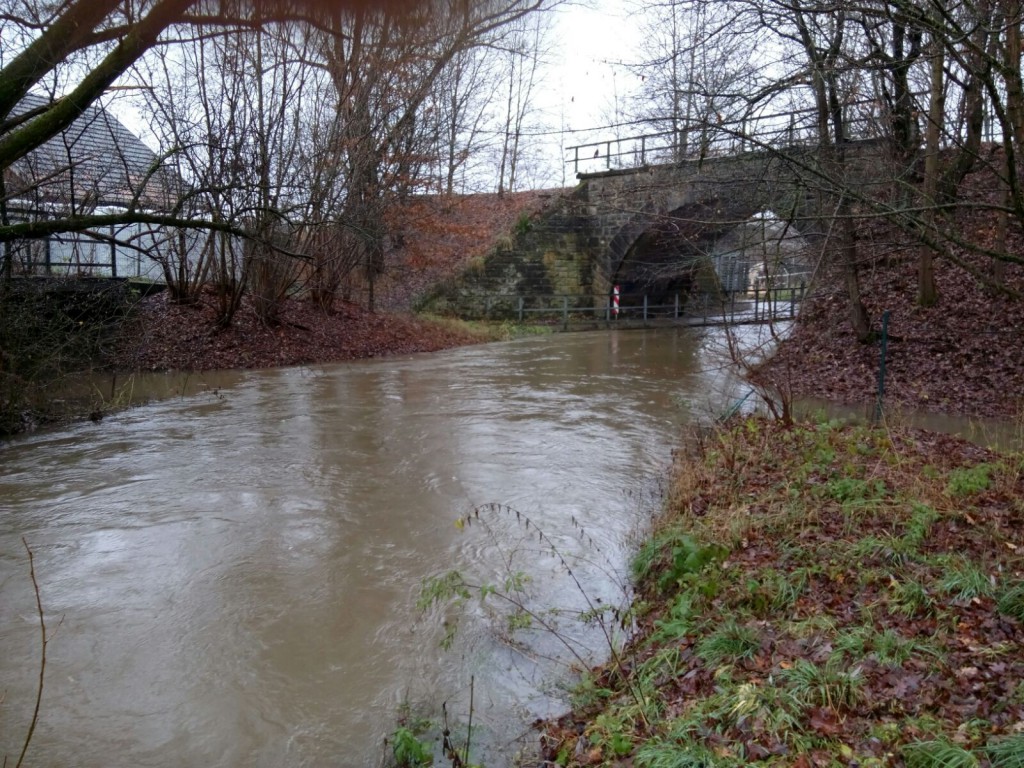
818,595
164,336
159,336
963,355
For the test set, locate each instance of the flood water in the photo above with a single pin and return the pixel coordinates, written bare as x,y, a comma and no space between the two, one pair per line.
231,578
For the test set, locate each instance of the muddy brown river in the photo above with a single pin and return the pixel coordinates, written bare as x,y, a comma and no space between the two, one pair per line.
230,578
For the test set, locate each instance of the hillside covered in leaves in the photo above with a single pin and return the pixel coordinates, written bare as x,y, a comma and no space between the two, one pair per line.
436,237
965,354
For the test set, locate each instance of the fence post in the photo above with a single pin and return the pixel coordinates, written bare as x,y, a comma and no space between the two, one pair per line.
757,300
881,366
565,313
521,305
113,252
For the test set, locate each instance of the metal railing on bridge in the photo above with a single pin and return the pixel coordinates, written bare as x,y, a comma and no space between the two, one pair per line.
758,305
718,135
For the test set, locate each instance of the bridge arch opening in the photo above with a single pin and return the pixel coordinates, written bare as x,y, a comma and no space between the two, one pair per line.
709,249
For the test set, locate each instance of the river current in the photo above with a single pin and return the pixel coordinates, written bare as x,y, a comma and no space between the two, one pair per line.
231,577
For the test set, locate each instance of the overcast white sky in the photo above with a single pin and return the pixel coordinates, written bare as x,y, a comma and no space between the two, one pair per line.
584,76
589,45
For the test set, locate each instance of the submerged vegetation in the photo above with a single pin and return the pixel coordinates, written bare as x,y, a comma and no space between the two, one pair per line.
816,595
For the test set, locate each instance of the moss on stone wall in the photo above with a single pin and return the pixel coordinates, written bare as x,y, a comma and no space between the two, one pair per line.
539,257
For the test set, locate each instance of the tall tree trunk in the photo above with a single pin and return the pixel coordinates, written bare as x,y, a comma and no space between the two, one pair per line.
904,121
1002,225
1011,67
981,53
832,158
927,293
860,320
8,256
508,131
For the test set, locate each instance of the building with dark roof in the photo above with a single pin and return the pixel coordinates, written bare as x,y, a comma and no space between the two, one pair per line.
96,165
95,162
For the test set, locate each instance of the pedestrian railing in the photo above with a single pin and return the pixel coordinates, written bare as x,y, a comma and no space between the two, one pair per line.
757,305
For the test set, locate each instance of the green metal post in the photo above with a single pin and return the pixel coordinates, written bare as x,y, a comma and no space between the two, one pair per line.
881,366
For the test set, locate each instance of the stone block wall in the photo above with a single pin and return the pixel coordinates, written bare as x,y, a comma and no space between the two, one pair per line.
547,254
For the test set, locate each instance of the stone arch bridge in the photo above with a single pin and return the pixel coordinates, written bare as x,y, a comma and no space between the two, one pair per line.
660,230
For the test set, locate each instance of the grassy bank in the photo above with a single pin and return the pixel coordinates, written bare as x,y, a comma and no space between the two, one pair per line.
820,595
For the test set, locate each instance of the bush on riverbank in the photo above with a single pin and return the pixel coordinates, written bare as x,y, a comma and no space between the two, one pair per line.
53,331
821,595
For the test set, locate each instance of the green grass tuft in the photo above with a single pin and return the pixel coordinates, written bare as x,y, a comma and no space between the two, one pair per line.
730,643
937,754
964,580
969,480
1011,600
1006,752
829,685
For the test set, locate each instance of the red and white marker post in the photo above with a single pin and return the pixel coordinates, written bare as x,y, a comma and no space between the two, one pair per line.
615,302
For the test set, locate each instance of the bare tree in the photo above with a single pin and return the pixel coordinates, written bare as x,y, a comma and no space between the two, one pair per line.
82,48
523,48
456,114
695,73
383,67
